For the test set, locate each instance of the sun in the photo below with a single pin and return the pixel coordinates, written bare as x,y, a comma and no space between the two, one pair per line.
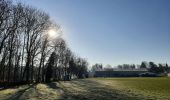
52,33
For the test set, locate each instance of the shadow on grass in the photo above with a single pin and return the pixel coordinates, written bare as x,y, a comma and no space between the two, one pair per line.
18,94
95,91
53,85
78,90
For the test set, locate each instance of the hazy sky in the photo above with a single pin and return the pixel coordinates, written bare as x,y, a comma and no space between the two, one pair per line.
113,31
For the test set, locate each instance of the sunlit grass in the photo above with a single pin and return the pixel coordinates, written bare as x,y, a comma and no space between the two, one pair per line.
7,92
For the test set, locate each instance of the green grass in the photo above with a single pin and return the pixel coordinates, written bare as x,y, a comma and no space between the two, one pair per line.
94,89
156,88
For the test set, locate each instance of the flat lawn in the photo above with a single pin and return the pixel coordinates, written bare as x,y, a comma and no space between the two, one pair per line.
94,89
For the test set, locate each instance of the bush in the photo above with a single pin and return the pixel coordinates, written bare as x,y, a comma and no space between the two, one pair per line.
148,74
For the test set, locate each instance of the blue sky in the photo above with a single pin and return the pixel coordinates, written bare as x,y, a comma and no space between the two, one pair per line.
113,31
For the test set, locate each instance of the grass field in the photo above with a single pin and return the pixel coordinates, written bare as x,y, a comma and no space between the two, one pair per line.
94,89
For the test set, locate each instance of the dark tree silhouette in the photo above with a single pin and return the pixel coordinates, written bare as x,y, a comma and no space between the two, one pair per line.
50,66
143,65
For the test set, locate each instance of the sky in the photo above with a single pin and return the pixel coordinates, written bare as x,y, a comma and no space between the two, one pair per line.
113,31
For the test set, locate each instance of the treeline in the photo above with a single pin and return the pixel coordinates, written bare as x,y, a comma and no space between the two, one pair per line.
156,68
28,53
150,66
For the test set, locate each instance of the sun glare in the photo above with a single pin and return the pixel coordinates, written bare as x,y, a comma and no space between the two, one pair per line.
52,33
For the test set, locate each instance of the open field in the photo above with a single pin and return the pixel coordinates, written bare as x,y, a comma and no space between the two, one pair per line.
94,88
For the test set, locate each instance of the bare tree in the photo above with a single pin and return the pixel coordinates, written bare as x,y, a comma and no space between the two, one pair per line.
26,50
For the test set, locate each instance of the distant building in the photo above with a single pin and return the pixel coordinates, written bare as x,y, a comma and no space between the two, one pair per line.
120,73
108,69
169,74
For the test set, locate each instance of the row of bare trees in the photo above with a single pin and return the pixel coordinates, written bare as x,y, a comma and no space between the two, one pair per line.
28,53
